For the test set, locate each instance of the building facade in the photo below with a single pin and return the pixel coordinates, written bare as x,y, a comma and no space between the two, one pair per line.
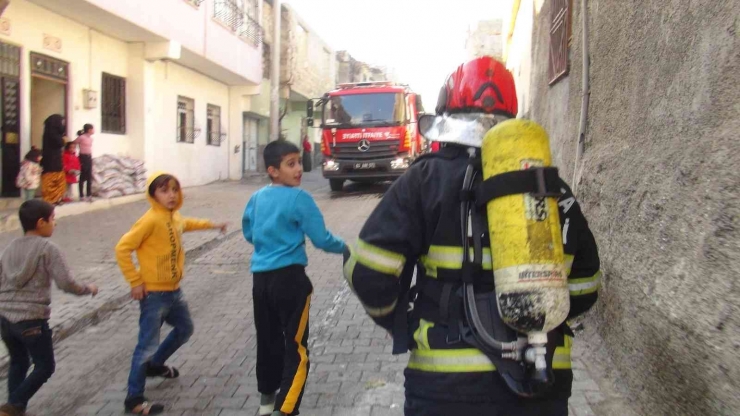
307,70
656,175
485,39
165,82
351,70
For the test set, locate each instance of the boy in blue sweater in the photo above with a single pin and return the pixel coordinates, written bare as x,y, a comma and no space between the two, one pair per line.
277,220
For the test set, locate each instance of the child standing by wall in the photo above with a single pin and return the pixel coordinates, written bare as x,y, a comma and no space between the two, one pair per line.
85,141
277,220
157,240
71,168
29,178
29,265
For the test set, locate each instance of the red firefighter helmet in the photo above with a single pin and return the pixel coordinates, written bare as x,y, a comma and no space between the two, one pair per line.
482,85
476,96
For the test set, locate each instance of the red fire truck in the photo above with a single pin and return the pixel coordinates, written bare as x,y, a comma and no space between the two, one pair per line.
369,131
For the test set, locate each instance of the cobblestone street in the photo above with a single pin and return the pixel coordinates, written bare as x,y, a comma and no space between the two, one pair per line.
352,371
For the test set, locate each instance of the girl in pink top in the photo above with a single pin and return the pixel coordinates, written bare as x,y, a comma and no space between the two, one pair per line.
84,141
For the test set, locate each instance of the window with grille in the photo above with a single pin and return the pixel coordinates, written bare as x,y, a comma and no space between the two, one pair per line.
559,36
185,120
213,126
240,16
195,3
113,104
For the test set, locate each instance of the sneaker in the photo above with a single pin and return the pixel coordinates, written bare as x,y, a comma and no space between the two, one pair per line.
267,404
9,410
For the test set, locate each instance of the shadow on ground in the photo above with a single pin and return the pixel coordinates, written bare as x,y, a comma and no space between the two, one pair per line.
353,189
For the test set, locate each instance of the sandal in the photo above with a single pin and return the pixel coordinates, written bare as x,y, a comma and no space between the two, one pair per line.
10,410
161,371
142,407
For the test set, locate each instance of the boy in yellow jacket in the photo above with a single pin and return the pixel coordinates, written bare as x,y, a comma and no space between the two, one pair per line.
157,240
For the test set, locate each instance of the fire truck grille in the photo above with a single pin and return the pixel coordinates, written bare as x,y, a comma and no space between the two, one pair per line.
385,149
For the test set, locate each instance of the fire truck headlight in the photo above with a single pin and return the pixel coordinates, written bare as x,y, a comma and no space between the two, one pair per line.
331,165
400,163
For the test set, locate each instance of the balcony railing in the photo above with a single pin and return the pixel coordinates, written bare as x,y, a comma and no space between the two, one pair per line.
252,32
232,15
195,3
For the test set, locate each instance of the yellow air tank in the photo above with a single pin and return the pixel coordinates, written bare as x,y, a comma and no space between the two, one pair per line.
526,242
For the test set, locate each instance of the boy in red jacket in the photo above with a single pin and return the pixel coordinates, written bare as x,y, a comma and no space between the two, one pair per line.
71,168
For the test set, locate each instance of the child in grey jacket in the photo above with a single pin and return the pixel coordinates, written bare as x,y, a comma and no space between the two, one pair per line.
27,268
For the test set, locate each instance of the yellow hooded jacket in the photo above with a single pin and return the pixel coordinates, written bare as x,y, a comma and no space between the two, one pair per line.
157,240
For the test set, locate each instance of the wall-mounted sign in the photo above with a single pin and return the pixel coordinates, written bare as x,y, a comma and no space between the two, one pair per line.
91,99
52,43
5,27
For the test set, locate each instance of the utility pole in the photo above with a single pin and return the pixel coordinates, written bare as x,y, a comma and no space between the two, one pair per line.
275,72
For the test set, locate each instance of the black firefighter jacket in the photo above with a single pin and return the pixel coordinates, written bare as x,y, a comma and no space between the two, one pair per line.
417,225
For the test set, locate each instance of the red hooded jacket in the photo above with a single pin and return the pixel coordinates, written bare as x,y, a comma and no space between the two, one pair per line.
71,163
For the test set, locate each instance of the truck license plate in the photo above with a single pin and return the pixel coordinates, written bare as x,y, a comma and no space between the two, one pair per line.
367,165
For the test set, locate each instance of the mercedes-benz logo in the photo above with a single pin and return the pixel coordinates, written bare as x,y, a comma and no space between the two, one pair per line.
363,145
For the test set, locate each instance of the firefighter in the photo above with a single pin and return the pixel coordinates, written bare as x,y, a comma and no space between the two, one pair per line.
417,226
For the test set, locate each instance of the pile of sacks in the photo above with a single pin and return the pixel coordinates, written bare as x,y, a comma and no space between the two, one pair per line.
117,176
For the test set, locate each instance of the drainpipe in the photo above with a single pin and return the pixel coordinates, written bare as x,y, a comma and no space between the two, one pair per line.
275,72
585,94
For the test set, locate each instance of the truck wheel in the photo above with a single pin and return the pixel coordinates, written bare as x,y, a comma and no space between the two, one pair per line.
336,185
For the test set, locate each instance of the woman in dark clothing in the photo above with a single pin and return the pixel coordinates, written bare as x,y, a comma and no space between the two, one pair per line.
53,180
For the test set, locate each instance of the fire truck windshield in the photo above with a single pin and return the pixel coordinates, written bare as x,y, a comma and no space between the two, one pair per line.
375,110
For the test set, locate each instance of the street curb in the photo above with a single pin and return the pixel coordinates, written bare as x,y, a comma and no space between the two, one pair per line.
99,315
9,220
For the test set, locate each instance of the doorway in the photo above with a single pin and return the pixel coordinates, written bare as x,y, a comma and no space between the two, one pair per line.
49,81
10,70
250,144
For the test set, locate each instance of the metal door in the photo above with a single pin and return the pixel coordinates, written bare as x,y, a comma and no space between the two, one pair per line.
250,144
10,117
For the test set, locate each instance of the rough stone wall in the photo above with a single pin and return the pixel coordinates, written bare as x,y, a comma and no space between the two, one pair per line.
660,185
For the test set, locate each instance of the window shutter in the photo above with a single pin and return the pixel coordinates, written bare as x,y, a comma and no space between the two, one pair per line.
559,33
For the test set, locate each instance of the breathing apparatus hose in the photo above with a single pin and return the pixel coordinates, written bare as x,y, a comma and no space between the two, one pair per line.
471,311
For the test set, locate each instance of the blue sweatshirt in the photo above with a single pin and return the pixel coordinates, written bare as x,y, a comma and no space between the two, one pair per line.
277,220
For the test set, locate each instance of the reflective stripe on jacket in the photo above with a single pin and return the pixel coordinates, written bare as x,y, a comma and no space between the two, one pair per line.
417,224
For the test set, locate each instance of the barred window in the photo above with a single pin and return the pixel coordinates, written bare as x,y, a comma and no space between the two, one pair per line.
559,62
213,127
113,104
185,120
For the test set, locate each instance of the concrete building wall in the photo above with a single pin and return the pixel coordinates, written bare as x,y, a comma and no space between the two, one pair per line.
187,29
195,28
659,185
485,39
193,163
89,53
152,84
312,64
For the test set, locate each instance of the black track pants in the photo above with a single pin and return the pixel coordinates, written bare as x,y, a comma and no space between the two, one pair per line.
281,303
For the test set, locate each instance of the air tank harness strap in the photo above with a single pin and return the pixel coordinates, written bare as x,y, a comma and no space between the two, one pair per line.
540,182
401,336
442,302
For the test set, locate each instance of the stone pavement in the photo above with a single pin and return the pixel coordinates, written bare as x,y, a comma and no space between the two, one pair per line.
88,241
352,372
